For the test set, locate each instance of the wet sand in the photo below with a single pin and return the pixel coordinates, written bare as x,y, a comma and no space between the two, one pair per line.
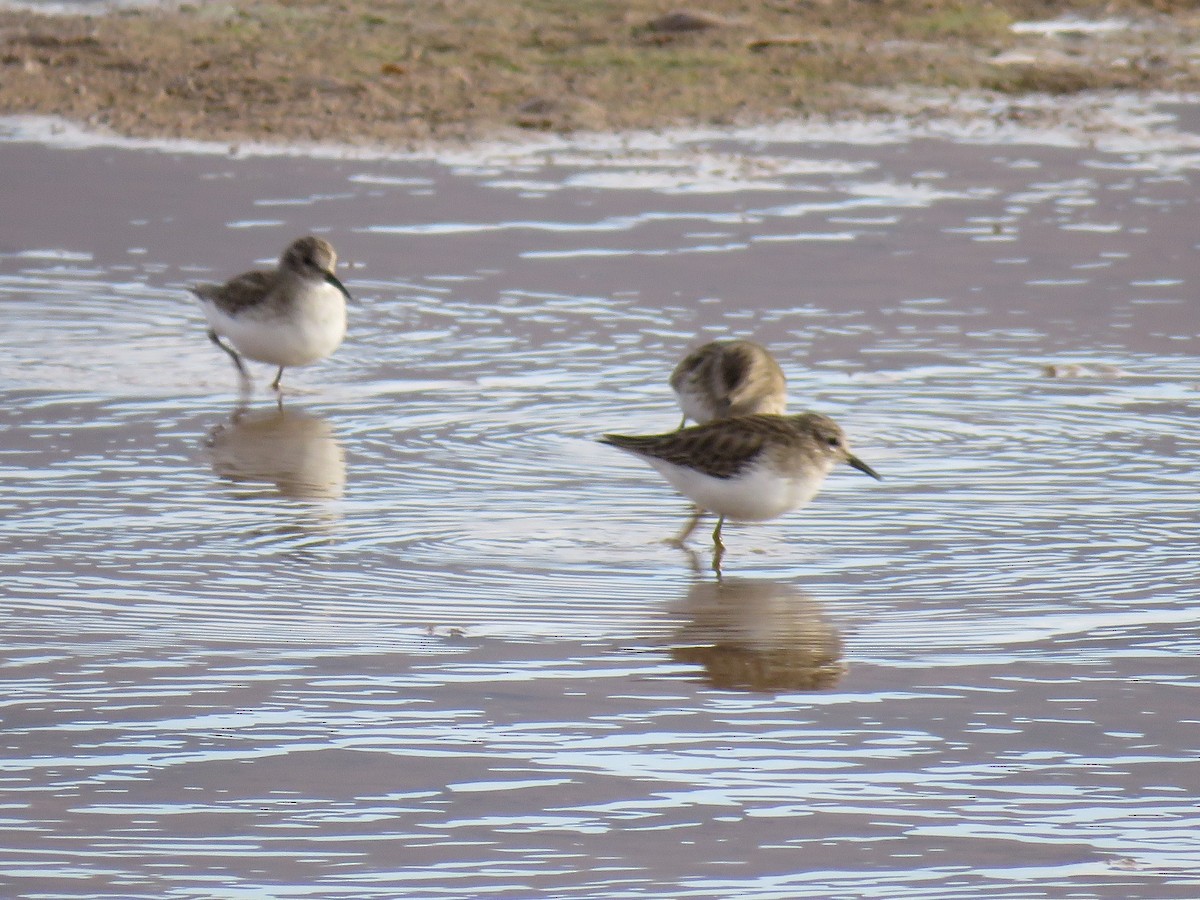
418,634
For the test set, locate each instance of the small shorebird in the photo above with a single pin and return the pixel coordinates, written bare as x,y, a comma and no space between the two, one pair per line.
728,378
750,468
291,316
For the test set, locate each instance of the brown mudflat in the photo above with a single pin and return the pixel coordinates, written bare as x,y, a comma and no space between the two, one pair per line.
366,71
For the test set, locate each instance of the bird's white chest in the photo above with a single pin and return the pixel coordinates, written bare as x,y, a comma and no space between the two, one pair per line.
320,308
308,327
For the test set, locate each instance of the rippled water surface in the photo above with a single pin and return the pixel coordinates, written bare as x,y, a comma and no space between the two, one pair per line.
417,635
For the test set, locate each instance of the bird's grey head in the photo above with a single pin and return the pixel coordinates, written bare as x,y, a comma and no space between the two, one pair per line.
831,441
313,257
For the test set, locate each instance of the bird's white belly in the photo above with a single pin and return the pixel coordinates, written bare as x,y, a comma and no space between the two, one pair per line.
753,496
310,328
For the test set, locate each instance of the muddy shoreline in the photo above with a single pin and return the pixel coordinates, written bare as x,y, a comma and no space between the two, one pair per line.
362,72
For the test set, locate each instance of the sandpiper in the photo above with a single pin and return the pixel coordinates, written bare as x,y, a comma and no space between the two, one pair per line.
749,468
291,316
728,378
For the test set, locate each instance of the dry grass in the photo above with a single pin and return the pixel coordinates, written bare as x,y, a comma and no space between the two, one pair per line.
393,72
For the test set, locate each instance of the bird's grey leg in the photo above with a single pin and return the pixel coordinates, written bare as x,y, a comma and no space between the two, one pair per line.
682,422
693,561
278,376
680,539
237,360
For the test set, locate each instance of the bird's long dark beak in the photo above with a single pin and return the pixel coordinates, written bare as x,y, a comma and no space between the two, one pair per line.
863,467
336,282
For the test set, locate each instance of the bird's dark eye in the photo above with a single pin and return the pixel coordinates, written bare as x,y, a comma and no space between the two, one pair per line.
833,441
309,261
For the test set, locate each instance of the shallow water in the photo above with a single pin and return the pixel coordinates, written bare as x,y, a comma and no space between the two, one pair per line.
417,635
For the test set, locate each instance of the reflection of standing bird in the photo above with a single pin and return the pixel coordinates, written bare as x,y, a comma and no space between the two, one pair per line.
755,635
728,378
294,451
749,468
291,316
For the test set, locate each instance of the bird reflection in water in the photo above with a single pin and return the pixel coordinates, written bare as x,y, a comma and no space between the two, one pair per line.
758,635
295,452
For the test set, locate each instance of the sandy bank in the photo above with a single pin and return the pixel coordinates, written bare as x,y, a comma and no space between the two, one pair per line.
366,72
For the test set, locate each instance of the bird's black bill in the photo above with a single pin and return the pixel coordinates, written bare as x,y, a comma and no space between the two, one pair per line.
863,467
336,282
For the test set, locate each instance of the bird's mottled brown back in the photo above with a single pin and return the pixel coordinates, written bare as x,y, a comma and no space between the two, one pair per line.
237,294
721,448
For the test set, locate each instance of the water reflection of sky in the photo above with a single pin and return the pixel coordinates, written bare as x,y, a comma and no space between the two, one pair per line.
417,635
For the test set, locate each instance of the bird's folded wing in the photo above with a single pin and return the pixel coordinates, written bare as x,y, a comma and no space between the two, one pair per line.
238,293
720,453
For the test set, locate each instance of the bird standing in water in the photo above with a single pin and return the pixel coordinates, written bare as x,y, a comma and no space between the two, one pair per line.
723,379
291,316
748,468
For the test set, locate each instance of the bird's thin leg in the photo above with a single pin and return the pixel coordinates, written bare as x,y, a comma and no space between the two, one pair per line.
693,559
680,539
237,360
682,422
278,377
718,547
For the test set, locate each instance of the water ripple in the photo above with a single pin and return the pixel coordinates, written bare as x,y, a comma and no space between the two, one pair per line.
416,633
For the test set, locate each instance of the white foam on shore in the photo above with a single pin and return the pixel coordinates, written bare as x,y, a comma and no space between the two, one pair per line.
78,8
1072,25
1122,123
